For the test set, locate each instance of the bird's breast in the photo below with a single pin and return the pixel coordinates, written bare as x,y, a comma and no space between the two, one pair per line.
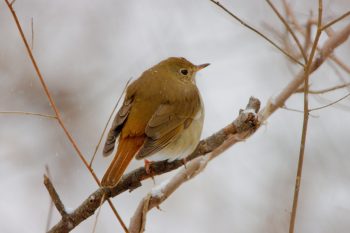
185,143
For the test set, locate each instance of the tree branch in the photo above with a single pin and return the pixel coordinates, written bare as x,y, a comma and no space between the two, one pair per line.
244,125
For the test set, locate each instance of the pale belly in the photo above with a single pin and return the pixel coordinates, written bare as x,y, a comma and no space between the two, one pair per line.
185,143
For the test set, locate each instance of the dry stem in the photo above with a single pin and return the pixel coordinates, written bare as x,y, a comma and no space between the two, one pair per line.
305,121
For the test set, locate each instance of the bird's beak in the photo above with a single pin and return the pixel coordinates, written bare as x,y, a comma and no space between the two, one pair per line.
199,67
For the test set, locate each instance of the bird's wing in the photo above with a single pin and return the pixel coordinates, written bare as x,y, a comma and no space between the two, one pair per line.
117,125
167,123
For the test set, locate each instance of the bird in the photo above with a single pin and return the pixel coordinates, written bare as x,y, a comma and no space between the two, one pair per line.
161,117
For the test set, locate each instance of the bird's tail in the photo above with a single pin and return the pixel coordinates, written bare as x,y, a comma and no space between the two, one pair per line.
127,149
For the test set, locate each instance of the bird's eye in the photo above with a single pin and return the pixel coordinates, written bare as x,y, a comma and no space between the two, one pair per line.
184,71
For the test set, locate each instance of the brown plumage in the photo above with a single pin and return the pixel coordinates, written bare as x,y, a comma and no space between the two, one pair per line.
162,114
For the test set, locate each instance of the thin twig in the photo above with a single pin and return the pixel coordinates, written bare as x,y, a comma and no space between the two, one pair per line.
305,121
289,29
301,90
109,119
55,109
325,106
336,20
257,32
298,111
28,113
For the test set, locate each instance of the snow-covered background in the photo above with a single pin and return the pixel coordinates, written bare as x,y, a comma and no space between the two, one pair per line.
87,50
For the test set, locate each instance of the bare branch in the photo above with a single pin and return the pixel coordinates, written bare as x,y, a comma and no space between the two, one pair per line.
344,97
28,113
244,125
306,119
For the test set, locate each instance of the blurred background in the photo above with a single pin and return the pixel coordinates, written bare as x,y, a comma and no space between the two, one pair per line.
87,50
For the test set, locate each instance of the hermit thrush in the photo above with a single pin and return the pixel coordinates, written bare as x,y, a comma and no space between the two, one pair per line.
161,117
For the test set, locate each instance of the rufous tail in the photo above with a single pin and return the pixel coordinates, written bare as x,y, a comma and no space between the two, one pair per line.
127,149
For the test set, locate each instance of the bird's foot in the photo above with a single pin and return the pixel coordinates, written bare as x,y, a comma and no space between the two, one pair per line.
184,162
149,170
